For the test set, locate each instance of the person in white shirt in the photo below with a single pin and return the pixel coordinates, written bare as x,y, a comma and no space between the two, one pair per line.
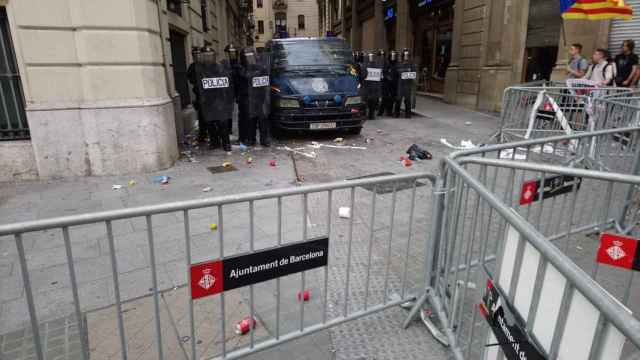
601,71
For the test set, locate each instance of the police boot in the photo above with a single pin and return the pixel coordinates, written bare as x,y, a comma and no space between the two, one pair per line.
407,114
214,138
381,107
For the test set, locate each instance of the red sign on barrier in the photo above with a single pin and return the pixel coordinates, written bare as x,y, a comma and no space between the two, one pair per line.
529,192
206,279
620,251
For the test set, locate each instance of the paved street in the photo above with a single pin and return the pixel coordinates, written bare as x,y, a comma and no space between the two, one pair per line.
386,140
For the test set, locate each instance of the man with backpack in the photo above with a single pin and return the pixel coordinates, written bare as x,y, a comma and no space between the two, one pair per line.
602,71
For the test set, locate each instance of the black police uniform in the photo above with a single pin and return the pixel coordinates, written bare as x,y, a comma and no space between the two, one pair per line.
254,97
389,86
371,81
216,96
405,75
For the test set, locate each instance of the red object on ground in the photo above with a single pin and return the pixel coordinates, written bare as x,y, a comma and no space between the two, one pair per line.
620,251
403,158
206,279
272,163
305,295
243,326
407,162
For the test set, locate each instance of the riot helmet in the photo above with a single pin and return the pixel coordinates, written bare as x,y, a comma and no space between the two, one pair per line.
206,55
232,53
371,57
354,55
393,56
406,55
248,56
381,53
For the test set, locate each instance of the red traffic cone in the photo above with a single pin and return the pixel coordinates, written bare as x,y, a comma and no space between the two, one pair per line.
243,326
304,296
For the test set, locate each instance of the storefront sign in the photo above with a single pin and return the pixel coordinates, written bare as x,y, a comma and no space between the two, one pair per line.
213,277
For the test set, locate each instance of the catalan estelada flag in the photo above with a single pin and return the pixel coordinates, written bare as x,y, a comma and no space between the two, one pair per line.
595,9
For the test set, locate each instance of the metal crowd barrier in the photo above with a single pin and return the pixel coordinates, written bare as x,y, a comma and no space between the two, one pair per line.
546,109
501,248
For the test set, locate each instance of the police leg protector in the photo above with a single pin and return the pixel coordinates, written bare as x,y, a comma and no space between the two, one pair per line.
371,105
242,124
396,107
252,125
223,132
381,107
214,136
265,131
407,107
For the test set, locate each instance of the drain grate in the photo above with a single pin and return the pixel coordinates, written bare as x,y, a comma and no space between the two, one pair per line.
387,187
221,169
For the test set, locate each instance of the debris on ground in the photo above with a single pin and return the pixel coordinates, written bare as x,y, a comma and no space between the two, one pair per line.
116,187
188,155
213,227
299,177
244,325
344,212
407,162
464,144
468,123
338,140
417,153
317,145
249,160
226,164
207,189
163,180
132,183
311,155
513,154
273,163
379,131
243,147
368,140
304,296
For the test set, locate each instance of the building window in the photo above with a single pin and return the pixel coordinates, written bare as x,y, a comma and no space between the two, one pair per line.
260,27
204,12
13,120
281,22
301,22
259,4
175,6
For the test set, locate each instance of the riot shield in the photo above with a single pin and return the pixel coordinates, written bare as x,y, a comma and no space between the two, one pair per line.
216,90
407,76
254,87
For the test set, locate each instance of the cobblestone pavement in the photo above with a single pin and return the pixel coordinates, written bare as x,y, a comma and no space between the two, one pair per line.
375,337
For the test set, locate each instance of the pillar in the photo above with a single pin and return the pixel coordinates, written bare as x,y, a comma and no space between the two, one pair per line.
381,34
451,79
403,25
356,27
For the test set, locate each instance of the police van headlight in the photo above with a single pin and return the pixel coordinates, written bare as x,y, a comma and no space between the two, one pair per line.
354,100
288,103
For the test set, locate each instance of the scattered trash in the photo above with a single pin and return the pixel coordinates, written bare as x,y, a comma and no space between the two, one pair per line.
243,326
468,123
163,180
226,164
207,189
132,183
403,158
311,155
509,154
464,144
379,131
189,156
407,162
213,227
368,140
116,187
243,147
546,149
417,153
579,247
273,163
344,212
317,145
249,160
185,339
304,295
338,140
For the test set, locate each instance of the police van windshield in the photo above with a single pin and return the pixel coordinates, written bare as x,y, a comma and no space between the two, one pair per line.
307,53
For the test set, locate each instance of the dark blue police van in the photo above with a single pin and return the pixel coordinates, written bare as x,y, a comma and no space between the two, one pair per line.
314,85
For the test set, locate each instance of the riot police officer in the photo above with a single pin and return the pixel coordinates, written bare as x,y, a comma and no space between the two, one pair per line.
406,76
254,97
216,95
371,81
388,85
191,76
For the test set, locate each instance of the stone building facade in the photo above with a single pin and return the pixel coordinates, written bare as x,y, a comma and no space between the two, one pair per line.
277,18
103,83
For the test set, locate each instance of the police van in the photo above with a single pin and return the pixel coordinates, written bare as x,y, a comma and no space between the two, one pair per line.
314,85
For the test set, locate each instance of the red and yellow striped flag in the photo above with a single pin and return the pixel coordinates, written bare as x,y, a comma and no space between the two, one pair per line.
595,9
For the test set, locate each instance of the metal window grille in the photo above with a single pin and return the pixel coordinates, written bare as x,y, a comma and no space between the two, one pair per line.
13,120
175,6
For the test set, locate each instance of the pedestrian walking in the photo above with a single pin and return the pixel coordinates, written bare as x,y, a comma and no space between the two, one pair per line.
626,65
578,65
602,71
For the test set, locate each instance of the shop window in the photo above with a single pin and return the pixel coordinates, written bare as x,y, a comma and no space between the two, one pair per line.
260,27
301,22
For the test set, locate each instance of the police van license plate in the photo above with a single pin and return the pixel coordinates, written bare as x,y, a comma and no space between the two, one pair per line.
213,83
328,125
408,75
260,81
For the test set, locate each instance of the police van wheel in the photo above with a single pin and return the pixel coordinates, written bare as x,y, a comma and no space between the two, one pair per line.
354,131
